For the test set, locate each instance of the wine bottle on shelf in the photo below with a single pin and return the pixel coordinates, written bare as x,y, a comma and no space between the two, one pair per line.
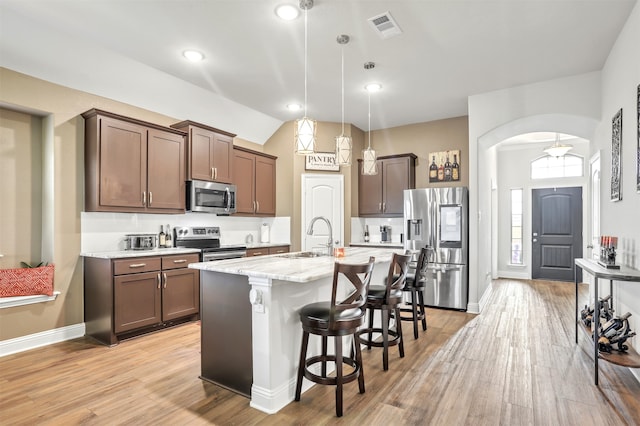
611,327
433,169
441,172
168,238
162,237
366,233
447,169
455,168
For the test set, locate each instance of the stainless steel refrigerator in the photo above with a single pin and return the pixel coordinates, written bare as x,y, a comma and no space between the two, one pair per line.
439,218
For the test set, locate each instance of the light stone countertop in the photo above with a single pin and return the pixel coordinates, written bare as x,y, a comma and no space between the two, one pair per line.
377,244
263,245
140,253
280,267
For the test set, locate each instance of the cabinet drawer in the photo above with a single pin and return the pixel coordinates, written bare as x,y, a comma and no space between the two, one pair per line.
257,252
278,249
134,266
179,261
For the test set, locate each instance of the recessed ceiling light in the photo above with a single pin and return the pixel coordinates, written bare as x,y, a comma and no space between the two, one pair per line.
193,55
294,107
287,12
373,87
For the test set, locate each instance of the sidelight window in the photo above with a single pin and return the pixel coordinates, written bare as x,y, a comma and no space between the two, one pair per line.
516,226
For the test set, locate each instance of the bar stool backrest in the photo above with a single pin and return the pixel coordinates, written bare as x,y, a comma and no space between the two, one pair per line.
421,267
398,270
359,275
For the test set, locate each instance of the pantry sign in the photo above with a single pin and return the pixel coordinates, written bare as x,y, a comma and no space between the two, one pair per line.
322,161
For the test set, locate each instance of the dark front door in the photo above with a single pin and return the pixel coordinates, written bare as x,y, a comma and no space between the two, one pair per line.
556,223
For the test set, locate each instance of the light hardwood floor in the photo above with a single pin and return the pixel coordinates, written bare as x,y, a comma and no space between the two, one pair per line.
516,364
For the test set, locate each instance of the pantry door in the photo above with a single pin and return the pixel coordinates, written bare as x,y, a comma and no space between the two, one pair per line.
322,195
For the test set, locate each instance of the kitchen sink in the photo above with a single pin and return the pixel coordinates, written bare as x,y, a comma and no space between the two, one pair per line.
301,255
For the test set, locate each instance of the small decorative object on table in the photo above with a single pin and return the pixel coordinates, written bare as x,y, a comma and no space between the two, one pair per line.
608,252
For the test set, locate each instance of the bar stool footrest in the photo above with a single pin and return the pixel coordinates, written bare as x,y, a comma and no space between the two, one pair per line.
346,378
394,337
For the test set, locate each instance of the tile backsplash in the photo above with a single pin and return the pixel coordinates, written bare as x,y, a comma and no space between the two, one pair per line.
105,231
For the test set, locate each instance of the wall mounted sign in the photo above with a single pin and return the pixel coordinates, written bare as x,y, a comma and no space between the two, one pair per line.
616,151
444,166
325,161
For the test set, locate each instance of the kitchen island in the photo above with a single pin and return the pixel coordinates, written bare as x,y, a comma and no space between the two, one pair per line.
252,347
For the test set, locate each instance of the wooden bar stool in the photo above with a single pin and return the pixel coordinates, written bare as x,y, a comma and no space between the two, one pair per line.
414,285
387,298
336,318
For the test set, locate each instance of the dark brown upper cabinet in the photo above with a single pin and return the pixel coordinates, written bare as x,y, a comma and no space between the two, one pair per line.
382,195
254,175
209,152
132,165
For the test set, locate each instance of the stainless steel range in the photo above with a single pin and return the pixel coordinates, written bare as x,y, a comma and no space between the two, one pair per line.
207,239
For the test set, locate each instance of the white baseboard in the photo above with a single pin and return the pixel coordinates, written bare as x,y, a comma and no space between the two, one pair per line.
514,275
36,340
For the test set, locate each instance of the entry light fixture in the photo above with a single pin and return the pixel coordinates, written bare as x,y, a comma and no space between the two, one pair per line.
369,159
305,128
343,142
558,149
287,12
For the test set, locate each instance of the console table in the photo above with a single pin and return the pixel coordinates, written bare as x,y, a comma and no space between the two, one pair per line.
630,358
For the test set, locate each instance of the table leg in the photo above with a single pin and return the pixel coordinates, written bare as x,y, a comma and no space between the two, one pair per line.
596,323
576,313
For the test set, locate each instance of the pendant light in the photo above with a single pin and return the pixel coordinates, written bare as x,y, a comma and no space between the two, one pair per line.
343,142
558,149
305,128
369,163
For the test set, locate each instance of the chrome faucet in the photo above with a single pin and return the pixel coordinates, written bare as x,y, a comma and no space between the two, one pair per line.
330,242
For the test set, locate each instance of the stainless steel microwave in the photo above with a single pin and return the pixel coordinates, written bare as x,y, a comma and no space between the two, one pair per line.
211,197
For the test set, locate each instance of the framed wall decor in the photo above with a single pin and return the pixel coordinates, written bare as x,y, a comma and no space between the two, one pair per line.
444,166
638,151
325,161
616,151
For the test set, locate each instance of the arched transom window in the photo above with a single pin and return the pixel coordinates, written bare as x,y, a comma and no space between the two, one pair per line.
569,165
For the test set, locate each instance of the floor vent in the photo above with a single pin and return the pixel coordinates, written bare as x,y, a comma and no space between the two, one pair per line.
385,25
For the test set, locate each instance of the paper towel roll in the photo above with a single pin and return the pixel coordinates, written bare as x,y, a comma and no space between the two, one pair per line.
264,233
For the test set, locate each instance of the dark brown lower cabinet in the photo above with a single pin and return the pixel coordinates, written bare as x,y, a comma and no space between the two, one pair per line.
126,297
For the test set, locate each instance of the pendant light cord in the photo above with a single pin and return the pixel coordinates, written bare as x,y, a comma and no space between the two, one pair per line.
305,61
369,120
342,73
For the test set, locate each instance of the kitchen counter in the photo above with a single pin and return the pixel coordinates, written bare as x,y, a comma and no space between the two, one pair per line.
262,338
265,245
119,254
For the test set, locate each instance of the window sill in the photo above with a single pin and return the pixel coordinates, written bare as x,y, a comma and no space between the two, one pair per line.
516,265
10,302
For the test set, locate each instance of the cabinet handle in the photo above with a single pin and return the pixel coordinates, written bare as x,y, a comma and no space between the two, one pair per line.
165,279
254,205
215,174
137,265
150,198
380,206
257,253
180,261
384,207
144,198
258,206
212,173
158,279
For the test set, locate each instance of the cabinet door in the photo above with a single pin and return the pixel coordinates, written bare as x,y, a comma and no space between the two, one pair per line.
369,192
244,179
136,301
396,178
223,158
257,252
265,186
180,293
123,164
165,170
201,144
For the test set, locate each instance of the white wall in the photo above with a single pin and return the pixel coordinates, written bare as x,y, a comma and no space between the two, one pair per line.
514,165
620,80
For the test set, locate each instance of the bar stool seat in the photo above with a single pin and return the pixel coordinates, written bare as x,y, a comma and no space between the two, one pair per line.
386,299
336,319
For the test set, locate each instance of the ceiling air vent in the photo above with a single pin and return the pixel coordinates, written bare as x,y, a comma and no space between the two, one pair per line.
385,25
